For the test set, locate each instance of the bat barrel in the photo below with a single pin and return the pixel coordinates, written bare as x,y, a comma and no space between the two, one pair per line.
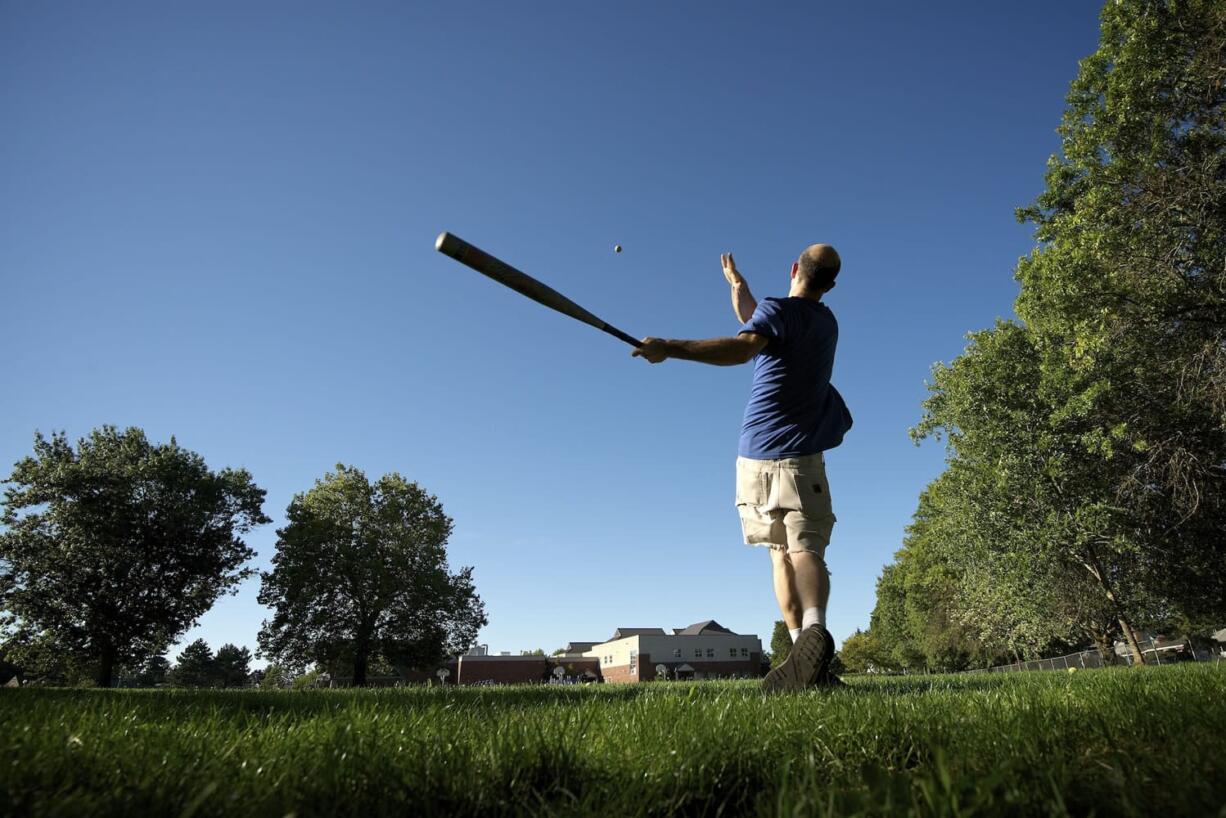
508,276
453,246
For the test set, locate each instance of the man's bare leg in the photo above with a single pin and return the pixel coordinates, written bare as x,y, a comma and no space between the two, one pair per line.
785,588
802,586
812,582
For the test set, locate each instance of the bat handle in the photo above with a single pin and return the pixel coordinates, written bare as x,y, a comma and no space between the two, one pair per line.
616,333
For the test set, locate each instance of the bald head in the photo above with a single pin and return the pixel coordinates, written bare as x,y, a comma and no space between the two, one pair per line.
816,269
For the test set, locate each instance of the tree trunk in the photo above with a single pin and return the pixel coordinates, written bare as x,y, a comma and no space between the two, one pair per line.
1130,636
1102,643
106,667
1096,570
361,657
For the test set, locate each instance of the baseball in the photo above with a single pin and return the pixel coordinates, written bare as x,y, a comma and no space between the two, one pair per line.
617,248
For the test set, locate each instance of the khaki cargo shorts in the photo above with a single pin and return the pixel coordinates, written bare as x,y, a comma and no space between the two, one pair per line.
785,504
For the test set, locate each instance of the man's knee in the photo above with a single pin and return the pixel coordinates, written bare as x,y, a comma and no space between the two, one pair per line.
779,555
815,557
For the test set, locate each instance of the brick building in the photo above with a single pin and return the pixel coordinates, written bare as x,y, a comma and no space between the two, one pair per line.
505,670
704,650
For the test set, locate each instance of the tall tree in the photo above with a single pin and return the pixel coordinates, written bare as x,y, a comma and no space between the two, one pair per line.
153,671
1126,294
781,643
859,652
116,547
233,665
361,570
897,648
1028,486
195,667
1088,443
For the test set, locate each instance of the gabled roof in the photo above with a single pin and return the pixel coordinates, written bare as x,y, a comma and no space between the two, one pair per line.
709,626
580,647
622,633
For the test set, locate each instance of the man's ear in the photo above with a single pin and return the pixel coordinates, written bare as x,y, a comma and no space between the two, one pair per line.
831,287
795,268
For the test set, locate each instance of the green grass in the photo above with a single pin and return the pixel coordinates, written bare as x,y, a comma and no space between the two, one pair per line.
1147,742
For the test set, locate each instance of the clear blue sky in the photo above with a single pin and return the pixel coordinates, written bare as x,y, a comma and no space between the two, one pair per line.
217,221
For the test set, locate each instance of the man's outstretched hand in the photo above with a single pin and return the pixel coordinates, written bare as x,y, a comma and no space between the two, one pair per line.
730,272
743,302
653,349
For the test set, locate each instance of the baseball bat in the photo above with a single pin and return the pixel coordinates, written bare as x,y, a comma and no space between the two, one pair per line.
522,283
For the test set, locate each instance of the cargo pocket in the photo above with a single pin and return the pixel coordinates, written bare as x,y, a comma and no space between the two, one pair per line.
752,494
752,487
813,491
812,522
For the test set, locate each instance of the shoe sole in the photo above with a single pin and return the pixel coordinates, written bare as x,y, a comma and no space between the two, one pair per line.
808,659
826,678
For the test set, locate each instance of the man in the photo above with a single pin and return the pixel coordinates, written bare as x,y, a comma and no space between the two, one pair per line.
793,415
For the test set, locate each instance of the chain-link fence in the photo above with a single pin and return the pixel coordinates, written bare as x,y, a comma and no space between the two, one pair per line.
1155,651
1080,661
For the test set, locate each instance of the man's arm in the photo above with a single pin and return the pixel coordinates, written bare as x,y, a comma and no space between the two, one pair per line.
715,351
743,302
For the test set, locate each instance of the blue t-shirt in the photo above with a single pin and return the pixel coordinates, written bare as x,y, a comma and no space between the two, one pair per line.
793,408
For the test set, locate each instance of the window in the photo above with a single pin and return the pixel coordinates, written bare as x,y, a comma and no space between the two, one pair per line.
732,652
676,653
697,653
710,653
744,653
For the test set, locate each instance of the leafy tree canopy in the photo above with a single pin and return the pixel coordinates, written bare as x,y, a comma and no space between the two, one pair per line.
859,653
1086,486
361,570
195,667
233,665
115,547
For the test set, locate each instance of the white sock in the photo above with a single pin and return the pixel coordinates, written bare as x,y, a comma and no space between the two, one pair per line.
813,616
795,634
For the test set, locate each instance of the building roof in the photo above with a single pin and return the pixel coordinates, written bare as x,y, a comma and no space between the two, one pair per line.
709,626
580,647
622,633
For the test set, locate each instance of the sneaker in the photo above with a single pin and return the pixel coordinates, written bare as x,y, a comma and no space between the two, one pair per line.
826,678
807,661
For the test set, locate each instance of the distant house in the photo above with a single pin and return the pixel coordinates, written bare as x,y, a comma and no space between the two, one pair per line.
704,650
1220,638
577,648
1157,649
